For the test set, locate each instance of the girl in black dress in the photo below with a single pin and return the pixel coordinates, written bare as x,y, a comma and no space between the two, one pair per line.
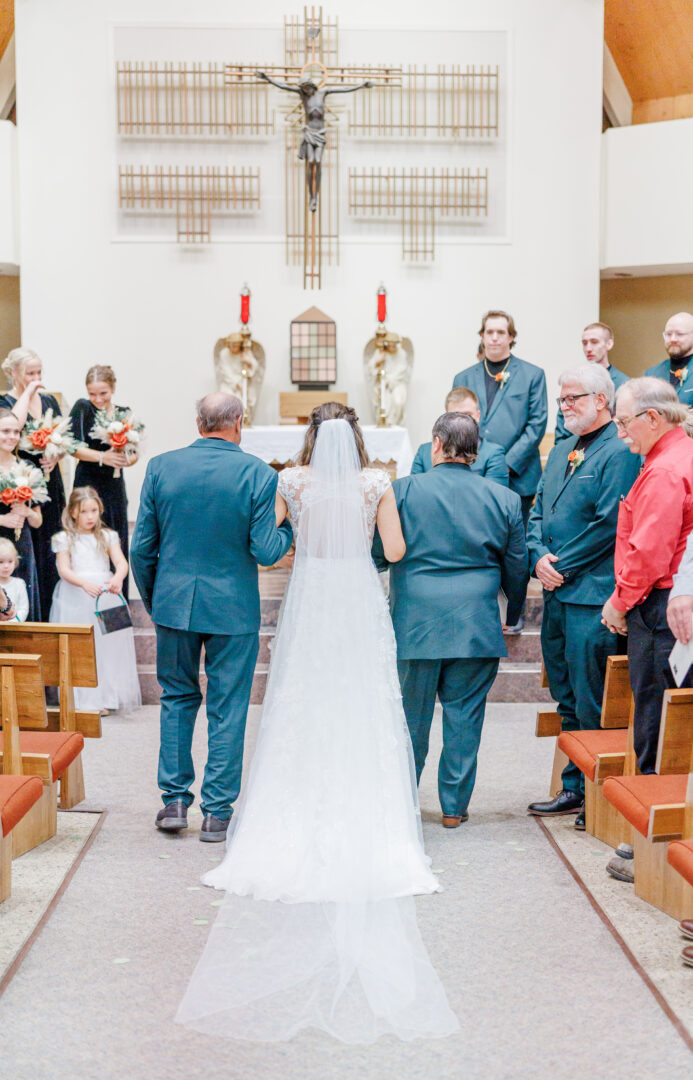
19,516
24,370
97,462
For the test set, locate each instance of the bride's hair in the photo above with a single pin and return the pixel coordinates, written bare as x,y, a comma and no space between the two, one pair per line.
332,410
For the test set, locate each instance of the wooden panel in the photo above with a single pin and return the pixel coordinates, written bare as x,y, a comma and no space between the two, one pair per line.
6,24
602,820
609,765
299,404
675,733
548,723
666,108
543,678
560,760
89,723
657,882
5,866
29,689
652,46
617,698
39,824
34,765
44,638
666,821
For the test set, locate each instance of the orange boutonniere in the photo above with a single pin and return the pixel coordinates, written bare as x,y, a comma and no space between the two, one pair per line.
576,458
681,374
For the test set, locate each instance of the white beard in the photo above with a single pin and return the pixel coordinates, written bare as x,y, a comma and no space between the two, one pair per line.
576,425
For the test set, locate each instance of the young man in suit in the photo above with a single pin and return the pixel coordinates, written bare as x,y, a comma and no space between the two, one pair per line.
597,343
206,520
677,370
490,460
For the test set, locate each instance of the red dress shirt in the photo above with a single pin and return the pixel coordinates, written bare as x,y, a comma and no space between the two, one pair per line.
654,521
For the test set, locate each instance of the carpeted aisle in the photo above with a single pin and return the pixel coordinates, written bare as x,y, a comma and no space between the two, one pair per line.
538,982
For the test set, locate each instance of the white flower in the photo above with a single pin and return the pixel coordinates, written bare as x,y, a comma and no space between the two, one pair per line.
133,436
114,428
57,439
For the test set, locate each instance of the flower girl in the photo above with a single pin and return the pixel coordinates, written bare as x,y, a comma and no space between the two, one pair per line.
14,587
83,552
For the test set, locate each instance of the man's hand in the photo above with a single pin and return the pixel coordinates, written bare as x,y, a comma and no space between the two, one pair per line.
549,577
680,617
286,562
614,620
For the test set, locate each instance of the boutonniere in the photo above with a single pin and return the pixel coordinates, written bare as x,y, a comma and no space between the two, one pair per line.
681,375
576,458
503,376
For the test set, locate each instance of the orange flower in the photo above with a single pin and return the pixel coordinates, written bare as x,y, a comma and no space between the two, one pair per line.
119,440
40,438
23,494
572,456
679,373
7,496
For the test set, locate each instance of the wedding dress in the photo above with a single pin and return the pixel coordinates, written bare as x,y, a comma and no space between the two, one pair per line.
325,853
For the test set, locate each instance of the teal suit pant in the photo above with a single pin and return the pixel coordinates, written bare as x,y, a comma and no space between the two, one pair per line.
229,666
462,686
575,647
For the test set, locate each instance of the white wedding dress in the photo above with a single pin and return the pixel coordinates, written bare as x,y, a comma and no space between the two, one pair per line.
324,854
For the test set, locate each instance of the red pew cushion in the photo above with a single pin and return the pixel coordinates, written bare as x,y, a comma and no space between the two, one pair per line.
680,856
17,795
582,747
634,796
63,747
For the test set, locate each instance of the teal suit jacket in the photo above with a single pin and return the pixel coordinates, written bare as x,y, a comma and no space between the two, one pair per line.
661,371
465,541
490,461
575,517
617,377
516,420
206,520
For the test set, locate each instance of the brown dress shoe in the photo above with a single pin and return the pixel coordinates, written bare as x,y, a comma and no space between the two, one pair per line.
686,927
450,822
687,955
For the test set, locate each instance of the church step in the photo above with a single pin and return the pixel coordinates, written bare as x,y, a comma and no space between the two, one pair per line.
151,691
518,682
524,647
145,645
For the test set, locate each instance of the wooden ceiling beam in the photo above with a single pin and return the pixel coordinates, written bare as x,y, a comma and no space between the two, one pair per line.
652,45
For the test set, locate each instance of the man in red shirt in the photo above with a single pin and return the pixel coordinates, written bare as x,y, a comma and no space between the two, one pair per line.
654,521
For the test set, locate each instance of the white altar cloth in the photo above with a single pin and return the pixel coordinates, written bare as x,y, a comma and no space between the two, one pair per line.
283,441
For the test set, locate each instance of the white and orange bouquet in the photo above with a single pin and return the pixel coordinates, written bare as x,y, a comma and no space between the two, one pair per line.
51,436
22,484
119,432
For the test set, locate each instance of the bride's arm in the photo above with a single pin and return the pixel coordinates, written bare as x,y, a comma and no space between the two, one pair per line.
279,509
390,528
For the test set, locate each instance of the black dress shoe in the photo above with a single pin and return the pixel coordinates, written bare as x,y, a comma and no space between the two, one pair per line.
173,817
566,802
213,829
580,820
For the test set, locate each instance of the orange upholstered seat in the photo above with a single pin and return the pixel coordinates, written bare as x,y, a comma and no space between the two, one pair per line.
634,796
63,747
17,795
680,856
583,747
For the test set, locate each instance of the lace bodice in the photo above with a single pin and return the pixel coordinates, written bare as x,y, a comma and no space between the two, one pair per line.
294,484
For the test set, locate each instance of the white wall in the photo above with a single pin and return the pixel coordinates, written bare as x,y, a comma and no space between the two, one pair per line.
9,207
647,225
154,310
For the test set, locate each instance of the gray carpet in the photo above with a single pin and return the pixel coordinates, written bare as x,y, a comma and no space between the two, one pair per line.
540,986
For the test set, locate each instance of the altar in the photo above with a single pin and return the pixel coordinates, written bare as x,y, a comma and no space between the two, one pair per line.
388,447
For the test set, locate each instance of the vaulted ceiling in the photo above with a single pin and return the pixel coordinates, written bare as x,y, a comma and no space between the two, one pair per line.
6,23
652,44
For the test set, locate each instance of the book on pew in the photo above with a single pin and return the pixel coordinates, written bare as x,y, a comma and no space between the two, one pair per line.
680,660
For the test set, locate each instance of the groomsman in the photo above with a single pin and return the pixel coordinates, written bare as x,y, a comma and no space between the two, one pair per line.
490,461
571,539
514,411
677,370
465,540
597,343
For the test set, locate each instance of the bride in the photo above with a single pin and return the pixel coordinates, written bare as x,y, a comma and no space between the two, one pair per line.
325,854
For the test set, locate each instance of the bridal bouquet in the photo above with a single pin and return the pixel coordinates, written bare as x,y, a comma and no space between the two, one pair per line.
50,435
120,432
24,483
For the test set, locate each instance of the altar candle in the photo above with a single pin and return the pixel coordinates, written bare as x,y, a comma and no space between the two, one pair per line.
245,305
382,304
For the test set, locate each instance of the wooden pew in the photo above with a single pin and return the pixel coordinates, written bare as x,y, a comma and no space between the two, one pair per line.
51,756
18,794
68,660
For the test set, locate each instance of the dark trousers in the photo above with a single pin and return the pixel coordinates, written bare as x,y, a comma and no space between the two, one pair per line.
575,647
229,666
462,687
649,643
526,501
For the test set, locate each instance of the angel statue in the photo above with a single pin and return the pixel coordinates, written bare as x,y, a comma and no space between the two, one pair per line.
314,132
239,363
388,360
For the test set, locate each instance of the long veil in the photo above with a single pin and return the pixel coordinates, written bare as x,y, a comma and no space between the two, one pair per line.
324,856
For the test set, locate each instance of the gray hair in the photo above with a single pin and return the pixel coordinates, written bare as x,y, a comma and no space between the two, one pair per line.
16,359
218,412
459,436
593,378
657,394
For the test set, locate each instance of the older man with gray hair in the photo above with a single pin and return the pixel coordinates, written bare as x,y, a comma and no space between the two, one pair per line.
571,538
206,520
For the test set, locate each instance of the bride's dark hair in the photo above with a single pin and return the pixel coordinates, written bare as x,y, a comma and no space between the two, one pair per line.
332,410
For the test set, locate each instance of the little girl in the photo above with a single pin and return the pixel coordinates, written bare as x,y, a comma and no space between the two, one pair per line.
14,587
83,551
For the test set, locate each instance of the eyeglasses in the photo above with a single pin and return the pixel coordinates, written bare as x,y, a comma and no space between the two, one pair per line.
570,399
623,424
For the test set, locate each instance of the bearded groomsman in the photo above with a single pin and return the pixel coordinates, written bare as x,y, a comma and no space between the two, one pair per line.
571,539
597,343
677,370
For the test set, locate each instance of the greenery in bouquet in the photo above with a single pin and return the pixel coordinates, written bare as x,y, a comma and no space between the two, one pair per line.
23,484
120,432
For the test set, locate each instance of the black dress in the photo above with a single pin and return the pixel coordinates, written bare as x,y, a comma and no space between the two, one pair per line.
111,488
46,567
27,563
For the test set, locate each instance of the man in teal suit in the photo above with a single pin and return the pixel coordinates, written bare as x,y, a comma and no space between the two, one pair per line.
597,343
465,541
490,461
677,370
206,520
571,539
